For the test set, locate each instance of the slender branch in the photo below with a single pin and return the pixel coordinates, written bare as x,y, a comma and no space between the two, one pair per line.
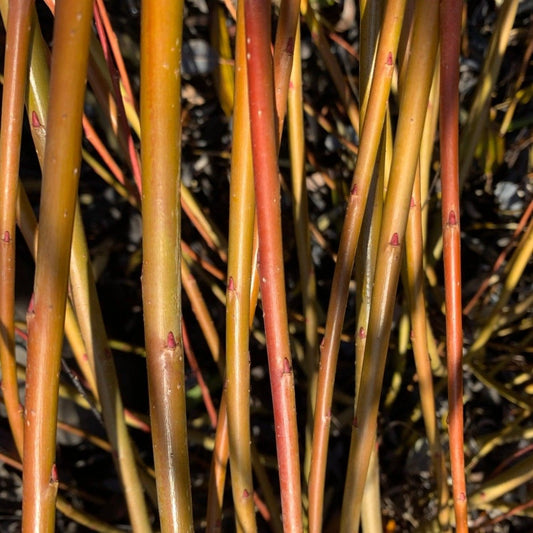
18,39
60,181
450,31
161,37
264,150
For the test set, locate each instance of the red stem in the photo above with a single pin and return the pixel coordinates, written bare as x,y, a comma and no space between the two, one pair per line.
450,28
267,188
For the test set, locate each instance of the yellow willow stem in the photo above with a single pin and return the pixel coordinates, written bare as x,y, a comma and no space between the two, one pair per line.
161,39
414,273
58,200
413,107
224,72
18,38
365,260
241,229
87,306
300,213
217,475
370,140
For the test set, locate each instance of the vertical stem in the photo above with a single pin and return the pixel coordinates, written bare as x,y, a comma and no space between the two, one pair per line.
300,213
161,39
450,30
241,229
16,72
264,151
60,181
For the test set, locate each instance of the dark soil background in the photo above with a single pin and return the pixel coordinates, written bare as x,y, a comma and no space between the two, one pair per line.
494,198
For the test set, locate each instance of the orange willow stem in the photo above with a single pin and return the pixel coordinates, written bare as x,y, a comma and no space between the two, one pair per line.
264,150
450,31
161,37
15,75
60,180
370,139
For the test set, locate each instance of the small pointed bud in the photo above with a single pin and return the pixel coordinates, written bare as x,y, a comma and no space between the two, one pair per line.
389,59
35,122
171,340
354,191
231,284
413,203
452,219
245,494
31,305
6,237
53,475
287,369
362,333
395,240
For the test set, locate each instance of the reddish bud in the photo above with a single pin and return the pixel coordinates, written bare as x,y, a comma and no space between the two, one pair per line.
7,236
452,219
462,497
245,493
287,369
355,423
395,240
31,305
171,340
231,284
35,122
362,333
354,190
53,474
389,59
413,203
